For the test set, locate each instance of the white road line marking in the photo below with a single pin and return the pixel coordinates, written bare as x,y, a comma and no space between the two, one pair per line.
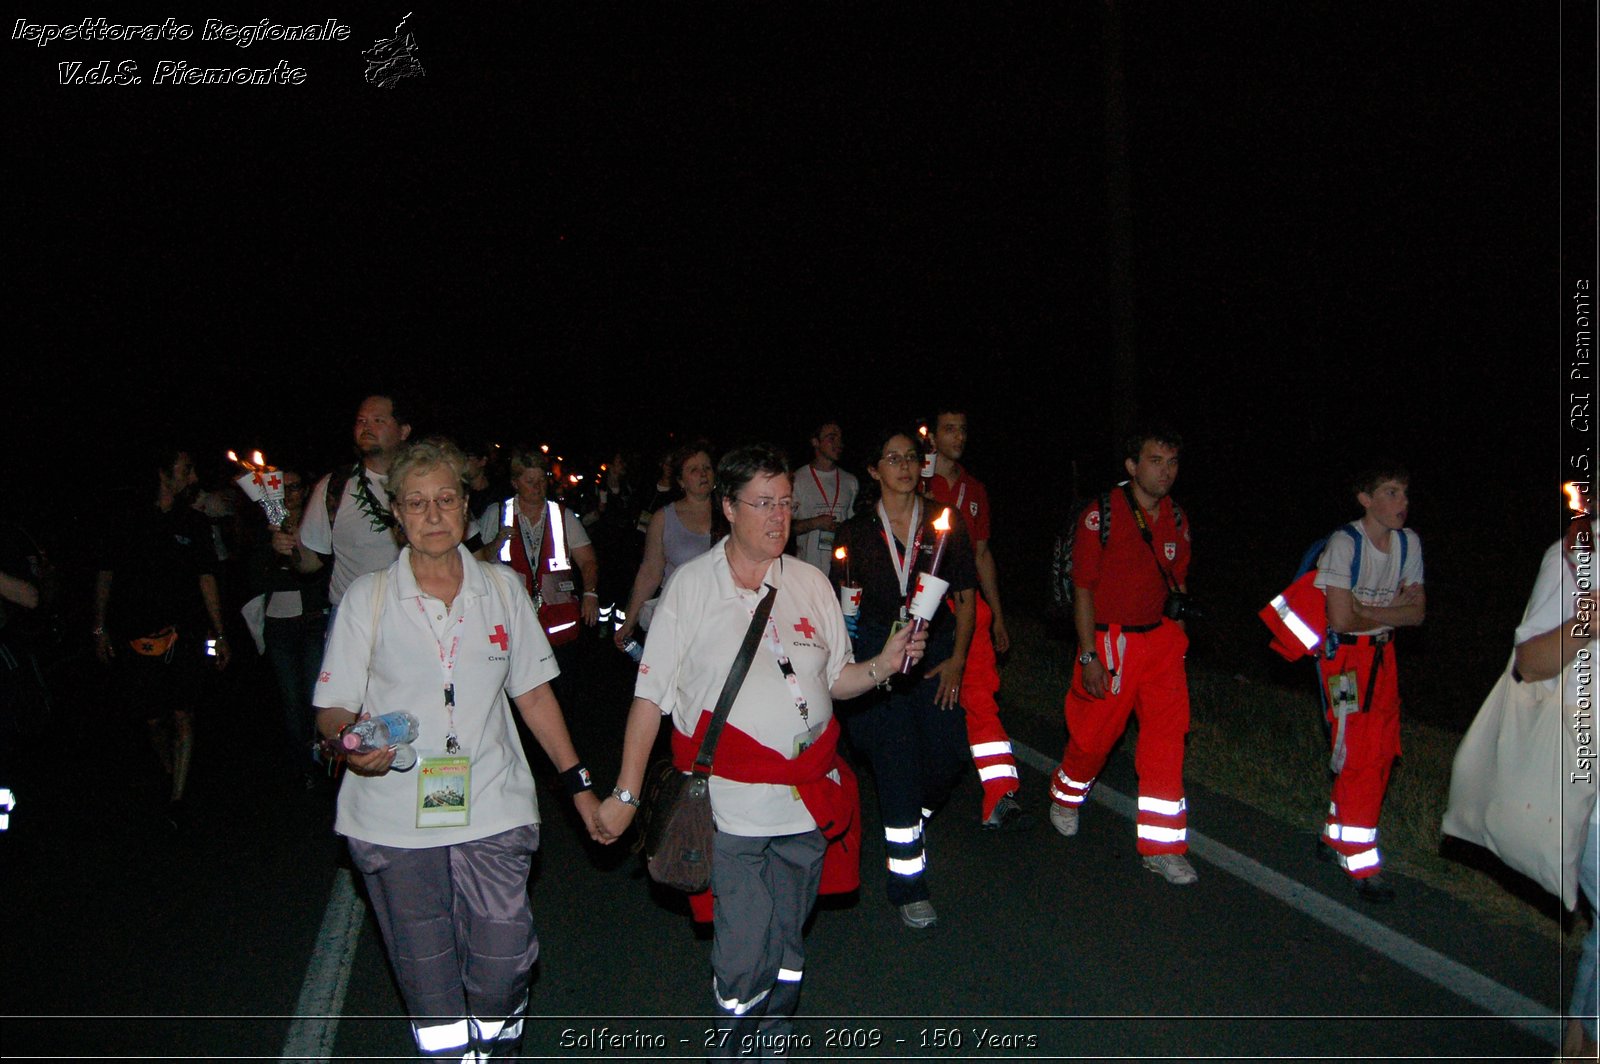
1465,982
316,1014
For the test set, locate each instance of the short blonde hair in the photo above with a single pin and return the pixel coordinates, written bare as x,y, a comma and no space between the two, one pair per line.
424,456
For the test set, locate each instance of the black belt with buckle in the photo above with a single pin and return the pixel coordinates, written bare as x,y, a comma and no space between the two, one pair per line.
1356,640
1133,629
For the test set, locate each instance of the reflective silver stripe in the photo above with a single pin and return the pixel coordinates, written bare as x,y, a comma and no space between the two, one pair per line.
991,749
1297,627
926,813
1155,834
902,835
562,627
1161,806
902,866
485,1030
1346,833
1070,799
1358,862
441,1036
1070,782
558,536
734,1005
994,772
788,975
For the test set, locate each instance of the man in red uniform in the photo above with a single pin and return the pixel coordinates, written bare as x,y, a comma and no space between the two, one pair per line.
1131,653
953,486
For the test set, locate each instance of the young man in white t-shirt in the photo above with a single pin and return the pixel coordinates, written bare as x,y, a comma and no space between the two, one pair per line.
1370,594
824,497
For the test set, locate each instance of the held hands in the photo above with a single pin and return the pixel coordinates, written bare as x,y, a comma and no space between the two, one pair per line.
588,805
611,819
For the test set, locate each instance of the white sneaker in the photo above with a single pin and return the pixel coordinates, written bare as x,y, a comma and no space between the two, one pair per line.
1065,818
919,914
1173,867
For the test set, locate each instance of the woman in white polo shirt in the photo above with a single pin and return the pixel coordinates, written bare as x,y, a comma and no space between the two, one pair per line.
780,794
447,638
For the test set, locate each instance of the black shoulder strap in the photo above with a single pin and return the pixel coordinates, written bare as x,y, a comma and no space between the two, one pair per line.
335,493
1105,518
730,689
1149,539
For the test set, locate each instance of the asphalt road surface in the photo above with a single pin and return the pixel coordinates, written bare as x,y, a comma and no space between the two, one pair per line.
241,934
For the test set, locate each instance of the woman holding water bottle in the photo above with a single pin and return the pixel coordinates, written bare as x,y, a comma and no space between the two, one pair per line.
446,845
910,729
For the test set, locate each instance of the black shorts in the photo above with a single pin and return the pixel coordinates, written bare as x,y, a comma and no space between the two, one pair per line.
152,687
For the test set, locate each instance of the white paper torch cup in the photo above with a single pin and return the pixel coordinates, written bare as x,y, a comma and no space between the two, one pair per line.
930,592
850,600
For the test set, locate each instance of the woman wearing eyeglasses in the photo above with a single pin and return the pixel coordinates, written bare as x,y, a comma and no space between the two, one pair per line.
910,729
784,803
446,846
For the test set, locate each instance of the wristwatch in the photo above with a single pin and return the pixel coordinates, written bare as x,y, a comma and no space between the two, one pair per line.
624,796
1086,657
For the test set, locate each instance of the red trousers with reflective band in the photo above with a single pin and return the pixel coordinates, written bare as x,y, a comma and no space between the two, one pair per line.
1372,742
1147,679
991,746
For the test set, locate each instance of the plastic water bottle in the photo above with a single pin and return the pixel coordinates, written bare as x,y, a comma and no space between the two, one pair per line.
398,730
634,649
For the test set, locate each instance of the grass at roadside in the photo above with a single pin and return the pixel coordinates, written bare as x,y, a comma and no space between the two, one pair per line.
1263,745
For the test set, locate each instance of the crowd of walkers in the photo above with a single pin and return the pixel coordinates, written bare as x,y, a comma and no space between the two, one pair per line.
811,622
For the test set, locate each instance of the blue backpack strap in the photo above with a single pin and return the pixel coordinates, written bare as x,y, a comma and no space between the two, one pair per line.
1355,556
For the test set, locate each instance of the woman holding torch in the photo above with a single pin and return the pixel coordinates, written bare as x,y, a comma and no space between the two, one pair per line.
446,845
911,566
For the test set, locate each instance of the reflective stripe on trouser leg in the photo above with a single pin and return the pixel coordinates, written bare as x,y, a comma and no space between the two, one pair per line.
986,736
1162,825
1372,742
765,888
907,860
1155,674
1064,790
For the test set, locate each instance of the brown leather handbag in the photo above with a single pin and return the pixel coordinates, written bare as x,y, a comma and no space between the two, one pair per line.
678,829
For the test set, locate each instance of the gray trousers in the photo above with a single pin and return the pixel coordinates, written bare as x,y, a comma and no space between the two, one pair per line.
765,888
459,933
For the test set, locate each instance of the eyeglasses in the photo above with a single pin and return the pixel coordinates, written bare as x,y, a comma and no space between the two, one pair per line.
766,504
897,460
448,503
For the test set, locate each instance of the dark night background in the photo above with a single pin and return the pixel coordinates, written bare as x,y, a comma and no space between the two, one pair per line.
595,224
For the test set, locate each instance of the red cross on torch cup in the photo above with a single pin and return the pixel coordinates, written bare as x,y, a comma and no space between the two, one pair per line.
942,527
263,485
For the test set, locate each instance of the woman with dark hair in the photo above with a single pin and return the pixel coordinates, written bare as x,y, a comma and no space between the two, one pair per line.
783,800
910,729
678,532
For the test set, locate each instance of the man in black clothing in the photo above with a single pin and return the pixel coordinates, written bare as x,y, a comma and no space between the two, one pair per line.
155,596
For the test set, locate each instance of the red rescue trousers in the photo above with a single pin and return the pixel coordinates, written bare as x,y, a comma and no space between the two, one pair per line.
991,746
1145,677
1371,743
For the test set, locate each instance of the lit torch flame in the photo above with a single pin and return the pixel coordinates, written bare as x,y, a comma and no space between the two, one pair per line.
943,523
234,458
259,461
1575,500
841,554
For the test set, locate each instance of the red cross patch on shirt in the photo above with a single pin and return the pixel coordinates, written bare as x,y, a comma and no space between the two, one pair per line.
805,628
501,638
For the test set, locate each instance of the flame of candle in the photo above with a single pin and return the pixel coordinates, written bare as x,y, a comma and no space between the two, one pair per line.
256,457
544,448
943,524
232,457
841,554
1574,492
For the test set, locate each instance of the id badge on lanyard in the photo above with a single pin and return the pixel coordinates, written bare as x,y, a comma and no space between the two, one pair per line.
903,564
444,792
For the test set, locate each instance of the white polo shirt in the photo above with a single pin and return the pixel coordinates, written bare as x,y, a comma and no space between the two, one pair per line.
817,493
503,651
694,637
358,542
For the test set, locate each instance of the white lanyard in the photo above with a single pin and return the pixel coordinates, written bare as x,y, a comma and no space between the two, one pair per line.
558,538
775,645
447,666
902,564
838,485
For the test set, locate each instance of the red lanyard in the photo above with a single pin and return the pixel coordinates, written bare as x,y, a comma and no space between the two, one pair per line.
838,484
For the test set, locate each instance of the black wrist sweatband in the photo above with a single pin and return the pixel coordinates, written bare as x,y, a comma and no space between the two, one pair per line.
577,780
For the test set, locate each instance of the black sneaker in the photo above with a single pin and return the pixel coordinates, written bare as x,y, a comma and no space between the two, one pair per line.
1375,890
1007,815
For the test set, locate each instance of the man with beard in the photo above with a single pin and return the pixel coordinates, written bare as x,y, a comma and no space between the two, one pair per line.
347,519
155,594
